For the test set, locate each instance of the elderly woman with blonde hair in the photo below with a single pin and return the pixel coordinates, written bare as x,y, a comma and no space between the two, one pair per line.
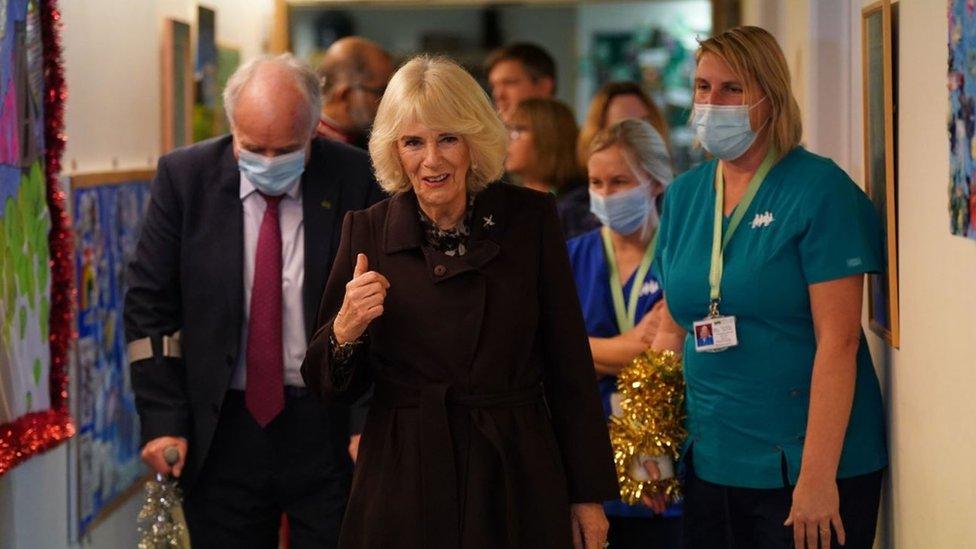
455,299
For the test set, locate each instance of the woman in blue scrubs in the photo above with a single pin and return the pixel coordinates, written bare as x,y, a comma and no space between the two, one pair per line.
628,167
767,245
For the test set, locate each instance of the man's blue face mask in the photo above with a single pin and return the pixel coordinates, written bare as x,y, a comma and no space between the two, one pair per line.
272,175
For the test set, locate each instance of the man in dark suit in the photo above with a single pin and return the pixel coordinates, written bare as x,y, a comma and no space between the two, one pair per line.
236,247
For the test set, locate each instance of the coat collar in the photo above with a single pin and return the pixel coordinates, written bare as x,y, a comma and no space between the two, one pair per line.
403,231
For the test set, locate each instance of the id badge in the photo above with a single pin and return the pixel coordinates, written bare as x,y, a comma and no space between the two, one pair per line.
715,334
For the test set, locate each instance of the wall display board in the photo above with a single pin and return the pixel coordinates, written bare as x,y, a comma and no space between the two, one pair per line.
177,81
107,213
206,92
35,240
879,66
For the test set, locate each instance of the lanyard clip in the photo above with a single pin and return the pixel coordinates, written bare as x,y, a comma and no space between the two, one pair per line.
713,308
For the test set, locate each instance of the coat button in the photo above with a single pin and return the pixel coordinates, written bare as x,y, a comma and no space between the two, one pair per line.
215,408
440,270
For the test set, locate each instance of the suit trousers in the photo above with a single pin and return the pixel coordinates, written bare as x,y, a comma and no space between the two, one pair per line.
297,465
727,517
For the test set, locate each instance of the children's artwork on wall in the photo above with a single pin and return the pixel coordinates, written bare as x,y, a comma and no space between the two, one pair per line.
35,241
177,81
962,118
879,65
107,212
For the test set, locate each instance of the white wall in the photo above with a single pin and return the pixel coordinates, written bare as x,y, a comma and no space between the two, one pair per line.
931,378
112,60
112,56
930,491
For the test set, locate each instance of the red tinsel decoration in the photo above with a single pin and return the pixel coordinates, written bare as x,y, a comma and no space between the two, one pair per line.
40,431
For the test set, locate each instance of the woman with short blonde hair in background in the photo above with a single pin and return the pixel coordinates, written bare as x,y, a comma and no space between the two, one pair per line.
629,167
541,154
612,103
767,245
455,299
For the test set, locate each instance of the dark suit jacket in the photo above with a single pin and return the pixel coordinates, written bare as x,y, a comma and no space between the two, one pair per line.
459,448
187,274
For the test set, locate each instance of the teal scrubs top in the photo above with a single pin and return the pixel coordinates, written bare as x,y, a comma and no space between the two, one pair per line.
747,406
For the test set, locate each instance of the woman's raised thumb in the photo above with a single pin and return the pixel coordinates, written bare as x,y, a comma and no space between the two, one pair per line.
362,265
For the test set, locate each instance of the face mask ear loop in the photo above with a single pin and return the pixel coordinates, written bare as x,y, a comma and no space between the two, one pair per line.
761,128
651,217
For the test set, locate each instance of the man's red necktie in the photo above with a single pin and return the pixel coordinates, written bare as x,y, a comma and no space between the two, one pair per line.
265,389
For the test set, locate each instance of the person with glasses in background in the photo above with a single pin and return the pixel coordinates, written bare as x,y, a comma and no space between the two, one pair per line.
354,72
541,155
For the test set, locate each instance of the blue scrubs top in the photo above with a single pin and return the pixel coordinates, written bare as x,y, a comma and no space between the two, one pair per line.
592,276
747,406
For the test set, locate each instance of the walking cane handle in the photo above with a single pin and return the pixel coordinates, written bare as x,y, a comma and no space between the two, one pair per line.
171,455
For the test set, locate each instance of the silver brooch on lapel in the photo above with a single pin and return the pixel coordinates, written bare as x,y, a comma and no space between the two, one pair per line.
488,221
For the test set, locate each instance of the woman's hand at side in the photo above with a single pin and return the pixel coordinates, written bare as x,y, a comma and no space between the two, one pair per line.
815,510
363,302
657,503
590,525
836,309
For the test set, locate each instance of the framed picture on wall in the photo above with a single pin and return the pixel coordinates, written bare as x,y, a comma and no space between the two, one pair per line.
879,69
177,81
205,76
107,213
962,119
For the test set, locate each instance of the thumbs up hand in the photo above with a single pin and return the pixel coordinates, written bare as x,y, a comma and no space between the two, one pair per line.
362,303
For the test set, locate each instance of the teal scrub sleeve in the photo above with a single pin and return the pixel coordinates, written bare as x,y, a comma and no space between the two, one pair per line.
843,235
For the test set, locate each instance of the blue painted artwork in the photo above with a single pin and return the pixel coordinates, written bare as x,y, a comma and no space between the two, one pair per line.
962,117
107,220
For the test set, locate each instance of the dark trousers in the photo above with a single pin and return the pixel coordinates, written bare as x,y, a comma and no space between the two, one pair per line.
297,465
655,532
717,516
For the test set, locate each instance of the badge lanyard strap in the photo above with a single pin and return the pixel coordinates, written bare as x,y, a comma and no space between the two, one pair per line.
626,318
719,242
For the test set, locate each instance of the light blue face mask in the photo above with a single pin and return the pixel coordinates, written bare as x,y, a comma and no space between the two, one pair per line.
272,175
724,130
625,211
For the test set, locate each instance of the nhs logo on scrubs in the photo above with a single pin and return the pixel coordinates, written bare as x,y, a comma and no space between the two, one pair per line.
649,287
762,220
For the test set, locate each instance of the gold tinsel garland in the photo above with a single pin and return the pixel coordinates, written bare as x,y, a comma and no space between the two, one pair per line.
161,524
652,394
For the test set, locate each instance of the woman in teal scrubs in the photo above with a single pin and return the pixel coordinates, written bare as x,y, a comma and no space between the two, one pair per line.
629,167
767,244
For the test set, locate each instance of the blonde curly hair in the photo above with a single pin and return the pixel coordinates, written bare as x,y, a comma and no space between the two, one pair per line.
438,93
